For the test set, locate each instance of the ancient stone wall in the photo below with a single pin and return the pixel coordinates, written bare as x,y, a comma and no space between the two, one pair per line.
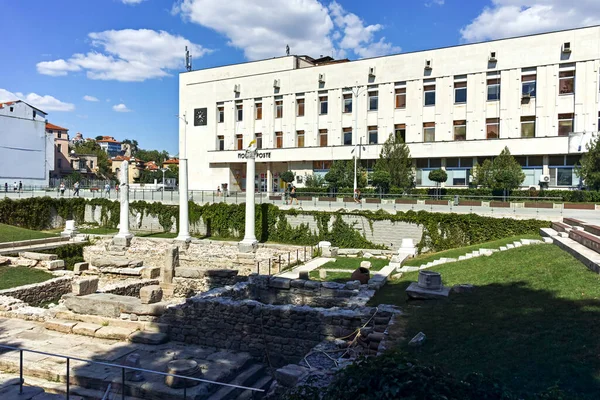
190,281
128,288
37,293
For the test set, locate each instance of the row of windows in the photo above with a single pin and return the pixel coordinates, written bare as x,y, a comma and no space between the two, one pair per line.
566,86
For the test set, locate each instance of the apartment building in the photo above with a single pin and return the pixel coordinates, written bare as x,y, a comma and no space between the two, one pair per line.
454,107
110,145
62,163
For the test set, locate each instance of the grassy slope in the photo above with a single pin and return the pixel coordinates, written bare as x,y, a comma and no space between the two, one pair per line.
531,322
9,233
18,276
455,253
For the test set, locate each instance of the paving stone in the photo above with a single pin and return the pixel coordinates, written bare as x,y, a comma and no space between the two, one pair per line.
55,264
86,329
78,268
517,244
418,340
503,248
113,332
83,287
148,337
365,264
38,256
60,325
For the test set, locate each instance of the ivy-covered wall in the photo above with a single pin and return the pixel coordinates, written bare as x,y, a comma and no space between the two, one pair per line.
440,230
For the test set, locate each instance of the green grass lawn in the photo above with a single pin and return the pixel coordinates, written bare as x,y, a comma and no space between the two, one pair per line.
167,235
346,263
99,231
531,322
9,233
18,276
455,253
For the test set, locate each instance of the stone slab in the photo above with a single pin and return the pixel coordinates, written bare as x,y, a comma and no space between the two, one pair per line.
153,338
290,375
150,272
60,325
86,329
113,332
110,261
38,256
414,291
111,305
280,283
80,267
82,287
192,273
151,294
55,264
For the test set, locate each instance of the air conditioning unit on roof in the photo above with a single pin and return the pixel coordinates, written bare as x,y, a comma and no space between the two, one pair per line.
566,47
428,64
321,78
236,88
492,57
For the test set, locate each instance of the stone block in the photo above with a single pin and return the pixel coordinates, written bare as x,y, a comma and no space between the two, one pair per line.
352,285
510,246
38,256
548,240
290,375
113,261
312,285
367,255
150,272
55,264
122,241
304,275
151,294
60,325
86,329
414,291
191,273
4,261
396,276
79,267
563,234
280,283
323,273
149,337
297,283
221,273
418,340
365,264
330,251
83,287
113,332
463,288
171,261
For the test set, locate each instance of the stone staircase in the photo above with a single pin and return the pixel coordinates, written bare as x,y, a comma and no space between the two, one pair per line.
473,254
578,238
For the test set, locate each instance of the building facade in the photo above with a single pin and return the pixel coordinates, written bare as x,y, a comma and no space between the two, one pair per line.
537,95
62,162
26,150
110,145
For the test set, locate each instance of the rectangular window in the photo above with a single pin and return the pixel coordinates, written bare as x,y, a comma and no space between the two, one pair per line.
372,134
300,107
323,105
323,137
239,112
58,148
528,85
492,128
221,143
278,108
400,98
493,89
92,164
566,82
429,132
220,114
565,124
348,102
400,132
300,138
527,127
278,140
373,100
460,92
429,95
239,141
460,130
258,111
347,132
258,138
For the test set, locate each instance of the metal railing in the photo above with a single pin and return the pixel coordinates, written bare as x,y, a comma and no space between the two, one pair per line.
106,364
281,259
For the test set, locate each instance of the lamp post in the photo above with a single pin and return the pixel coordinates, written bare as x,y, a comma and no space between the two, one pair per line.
162,196
184,229
355,92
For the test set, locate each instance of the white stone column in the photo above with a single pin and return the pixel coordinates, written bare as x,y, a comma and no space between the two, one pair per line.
249,243
123,238
269,178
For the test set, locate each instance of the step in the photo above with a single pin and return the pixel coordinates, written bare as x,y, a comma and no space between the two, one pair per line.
573,221
517,244
246,378
586,239
263,383
588,257
510,246
593,229
561,227
503,248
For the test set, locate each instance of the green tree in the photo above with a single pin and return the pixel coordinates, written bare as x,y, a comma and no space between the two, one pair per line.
287,176
99,137
503,173
152,155
90,147
341,175
381,180
395,159
133,144
438,176
589,170
314,180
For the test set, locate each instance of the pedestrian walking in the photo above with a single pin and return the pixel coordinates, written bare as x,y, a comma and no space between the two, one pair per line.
76,189
5,187
218,191
16,186
356,195
117,188
293,195
20,187
107,189
62,188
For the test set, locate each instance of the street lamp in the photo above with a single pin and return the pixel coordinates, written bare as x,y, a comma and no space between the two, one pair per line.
163,185
184,230
355,92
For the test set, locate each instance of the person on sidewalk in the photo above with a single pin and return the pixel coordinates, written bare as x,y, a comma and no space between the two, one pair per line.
62,188
107,189
20,187
76,189
293,195
356,195
5,187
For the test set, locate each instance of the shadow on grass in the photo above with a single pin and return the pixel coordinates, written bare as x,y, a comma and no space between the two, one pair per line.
528,339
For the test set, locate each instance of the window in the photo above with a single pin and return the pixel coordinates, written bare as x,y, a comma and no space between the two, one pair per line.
300,138
322,105
258,111
278,108
92,164
373,100
239,112
429,132
527,127
528,85
11,109
278,140
400,98
400,132
34,114
348,102
300,107
492,128
323,137
460,92
58,148
493,89
220,114
258,138
221,143
429,95
372,131
239,140
59,163
59,134
347,133
566,82
565,124
460,130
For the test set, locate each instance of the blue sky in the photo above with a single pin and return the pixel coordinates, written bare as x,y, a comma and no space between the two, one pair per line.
110,67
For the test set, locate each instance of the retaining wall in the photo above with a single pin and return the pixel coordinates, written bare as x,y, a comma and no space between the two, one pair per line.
37,293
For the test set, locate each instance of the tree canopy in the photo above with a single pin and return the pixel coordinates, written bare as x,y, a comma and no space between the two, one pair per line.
91,147
341,174
396,161
503,173
438,175
589,170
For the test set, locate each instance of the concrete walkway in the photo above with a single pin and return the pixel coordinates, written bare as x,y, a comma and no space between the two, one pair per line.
309,266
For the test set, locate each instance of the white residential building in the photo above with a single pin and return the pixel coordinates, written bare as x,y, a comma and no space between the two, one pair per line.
455,106
26,150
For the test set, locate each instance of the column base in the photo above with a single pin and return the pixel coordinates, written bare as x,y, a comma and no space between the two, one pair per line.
248,246
122,239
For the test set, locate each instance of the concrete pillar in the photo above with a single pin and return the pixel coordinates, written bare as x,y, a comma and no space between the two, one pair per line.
184,222
249,243
123,238
269,178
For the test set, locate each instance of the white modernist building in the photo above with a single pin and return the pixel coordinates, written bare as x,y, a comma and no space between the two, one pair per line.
26,150
455,106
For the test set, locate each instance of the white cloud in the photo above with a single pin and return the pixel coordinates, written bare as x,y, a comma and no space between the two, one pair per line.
131,1
506,18
126,55
263,29
89,98
434,3
121,108
44,103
